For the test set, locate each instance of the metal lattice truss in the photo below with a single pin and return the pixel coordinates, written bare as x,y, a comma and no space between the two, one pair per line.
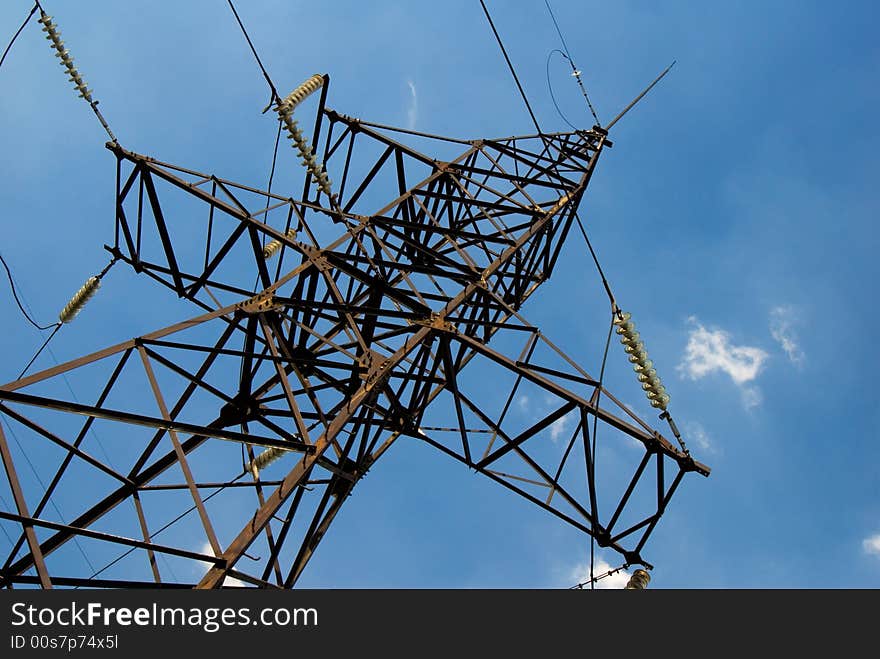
364,328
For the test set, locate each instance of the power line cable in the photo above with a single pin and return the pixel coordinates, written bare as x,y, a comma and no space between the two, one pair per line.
550,88
269,194
43,485
169,524
510,66
605,283
6,506
19,31
18,300
275,95
595,429
574,70
37,354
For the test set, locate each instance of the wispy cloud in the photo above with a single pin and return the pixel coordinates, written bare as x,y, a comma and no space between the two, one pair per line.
710,351
872,545
751,397
782,320
412,112
696,433
558,427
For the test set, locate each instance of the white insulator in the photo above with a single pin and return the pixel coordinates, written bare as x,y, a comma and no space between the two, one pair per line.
264,459
622,318
639,357
660,402
638,581
631,338
636,347
272,248
643,366
79,300
302,92
54,36
309,161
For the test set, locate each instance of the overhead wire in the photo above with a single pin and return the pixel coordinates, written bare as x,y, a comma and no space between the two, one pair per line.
55,359
40,350
580,586
269,194
167,525
19,31
595,433
18,300
43,485
68,313
574,70
550,89
275,96
53,35
6,506
616,314
512,69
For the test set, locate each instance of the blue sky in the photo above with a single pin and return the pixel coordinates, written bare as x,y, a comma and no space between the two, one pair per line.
734,217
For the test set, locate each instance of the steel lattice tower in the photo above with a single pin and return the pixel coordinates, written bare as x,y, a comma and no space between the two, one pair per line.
256,419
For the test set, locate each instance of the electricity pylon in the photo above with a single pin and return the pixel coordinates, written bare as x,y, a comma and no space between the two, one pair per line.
388,310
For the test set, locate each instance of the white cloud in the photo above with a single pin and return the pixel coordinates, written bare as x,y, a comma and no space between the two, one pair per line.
616,581
696,433
872,545
782,320
412,112
558,427
751,397
710,351
523,402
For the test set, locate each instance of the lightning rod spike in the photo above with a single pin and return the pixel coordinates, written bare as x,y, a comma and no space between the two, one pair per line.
639,97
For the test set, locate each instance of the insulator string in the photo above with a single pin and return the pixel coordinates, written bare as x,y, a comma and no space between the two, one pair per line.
79,300
272,248
302,92
53,34
638,357
264,459
300,143
76,303
638,581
